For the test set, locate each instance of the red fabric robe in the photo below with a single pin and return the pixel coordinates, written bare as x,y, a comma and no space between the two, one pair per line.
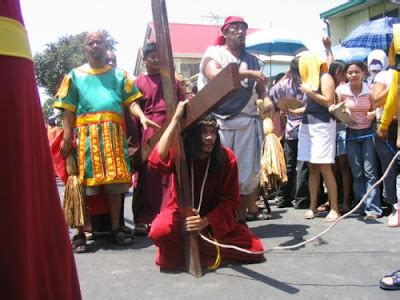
220,201
35,255
151,188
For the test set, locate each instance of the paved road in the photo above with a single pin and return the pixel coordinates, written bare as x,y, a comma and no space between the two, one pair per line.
346,263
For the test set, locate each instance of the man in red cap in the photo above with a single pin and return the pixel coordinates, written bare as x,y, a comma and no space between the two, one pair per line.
238,118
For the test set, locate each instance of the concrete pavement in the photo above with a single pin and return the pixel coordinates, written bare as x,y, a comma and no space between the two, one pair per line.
346,263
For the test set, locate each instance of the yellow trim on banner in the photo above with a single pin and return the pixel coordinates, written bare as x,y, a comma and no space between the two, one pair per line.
95,118
14,39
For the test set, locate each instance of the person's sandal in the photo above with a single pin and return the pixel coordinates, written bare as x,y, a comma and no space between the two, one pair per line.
258,215
370,216
324,207
396,282
141,229
79,244
120,237
127,230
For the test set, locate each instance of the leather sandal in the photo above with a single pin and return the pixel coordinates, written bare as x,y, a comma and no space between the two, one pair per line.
258,215
120,237
324,207
141,229
79,244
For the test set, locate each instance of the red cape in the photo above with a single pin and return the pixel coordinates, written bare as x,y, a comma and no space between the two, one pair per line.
36,256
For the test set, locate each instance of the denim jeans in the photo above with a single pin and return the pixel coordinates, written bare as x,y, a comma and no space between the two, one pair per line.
386,150
364,167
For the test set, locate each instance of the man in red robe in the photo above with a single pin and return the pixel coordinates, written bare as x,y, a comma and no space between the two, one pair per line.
35,255
215,198
151,187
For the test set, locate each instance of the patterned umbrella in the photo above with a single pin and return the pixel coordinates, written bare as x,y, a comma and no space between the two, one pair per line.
376,34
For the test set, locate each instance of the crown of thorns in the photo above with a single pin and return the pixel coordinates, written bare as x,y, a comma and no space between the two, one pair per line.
209,121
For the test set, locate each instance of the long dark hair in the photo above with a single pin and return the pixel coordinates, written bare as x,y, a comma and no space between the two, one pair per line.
335,68
295,71
192,143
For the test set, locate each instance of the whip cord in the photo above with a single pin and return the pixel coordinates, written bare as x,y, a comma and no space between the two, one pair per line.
318,235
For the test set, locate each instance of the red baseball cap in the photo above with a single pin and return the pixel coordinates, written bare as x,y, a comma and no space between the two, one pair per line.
233,19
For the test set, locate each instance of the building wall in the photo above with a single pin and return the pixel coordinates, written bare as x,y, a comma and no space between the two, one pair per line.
187,66
341,26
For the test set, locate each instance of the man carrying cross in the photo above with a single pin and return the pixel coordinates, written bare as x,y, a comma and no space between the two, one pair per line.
239,123
214,186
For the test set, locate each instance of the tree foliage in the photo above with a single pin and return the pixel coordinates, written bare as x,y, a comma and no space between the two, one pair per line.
60,57
47,108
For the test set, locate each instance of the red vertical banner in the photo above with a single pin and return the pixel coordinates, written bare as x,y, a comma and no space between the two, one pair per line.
35,255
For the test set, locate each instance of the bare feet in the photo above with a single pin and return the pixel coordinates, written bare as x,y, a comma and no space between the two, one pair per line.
332,216
393,219
310,214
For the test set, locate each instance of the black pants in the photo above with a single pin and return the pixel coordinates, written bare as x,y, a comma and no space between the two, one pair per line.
296,188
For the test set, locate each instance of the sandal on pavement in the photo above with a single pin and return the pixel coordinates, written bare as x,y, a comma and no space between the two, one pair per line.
370,216
141,229
127,230
324,207
79,244
396,281
258,216
121,238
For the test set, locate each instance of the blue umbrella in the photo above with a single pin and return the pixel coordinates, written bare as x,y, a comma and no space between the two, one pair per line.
376,34
349,54
271,42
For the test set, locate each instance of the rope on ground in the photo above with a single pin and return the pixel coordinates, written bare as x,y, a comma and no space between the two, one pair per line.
318,235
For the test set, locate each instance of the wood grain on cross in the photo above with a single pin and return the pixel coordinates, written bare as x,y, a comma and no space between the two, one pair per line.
212,95
204,102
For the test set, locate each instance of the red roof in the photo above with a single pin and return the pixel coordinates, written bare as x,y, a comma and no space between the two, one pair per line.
193,38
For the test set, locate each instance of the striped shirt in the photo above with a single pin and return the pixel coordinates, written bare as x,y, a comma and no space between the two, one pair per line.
359,105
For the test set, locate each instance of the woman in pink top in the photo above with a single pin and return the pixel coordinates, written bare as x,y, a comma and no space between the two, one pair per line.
359,138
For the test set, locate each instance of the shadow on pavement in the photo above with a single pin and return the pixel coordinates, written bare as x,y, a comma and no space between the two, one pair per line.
294,233
105,243
265,279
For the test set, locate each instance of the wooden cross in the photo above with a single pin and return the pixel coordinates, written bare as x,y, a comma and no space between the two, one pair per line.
203,103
